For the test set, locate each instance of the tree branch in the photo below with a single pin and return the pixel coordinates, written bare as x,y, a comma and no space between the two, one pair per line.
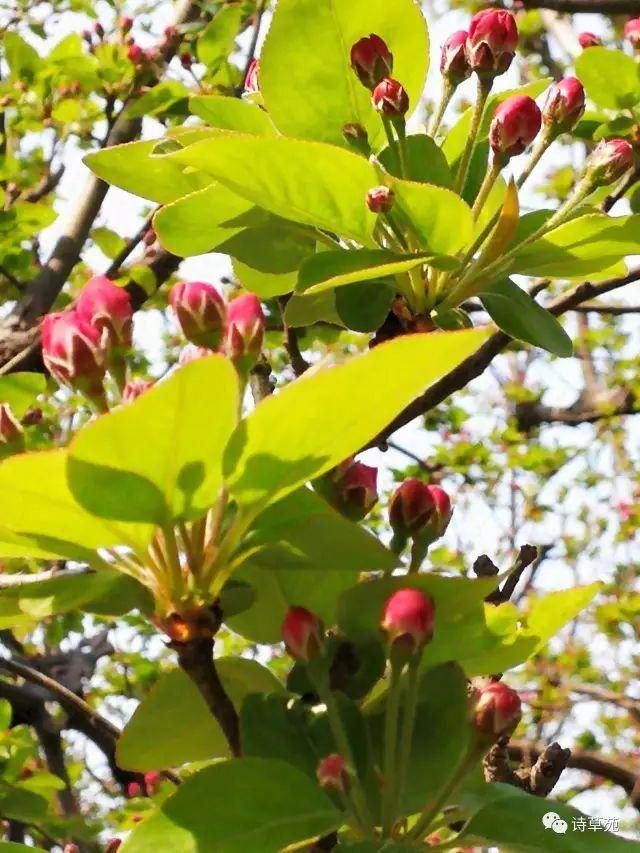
595,7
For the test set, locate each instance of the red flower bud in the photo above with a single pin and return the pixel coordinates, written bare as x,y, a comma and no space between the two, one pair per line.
125,23
371,60
201,312
564,105
514,126
73,352
632,32
71,848
417,509
11,432
332,774
589,40
113,845
351,488
134,789
186,60
407,619
380,199
302,634
149,237
98,29
245,331
609,160
151,781
135,388
251,86
390,98
493,38
136,54
497,709
454,65
107,308
170,33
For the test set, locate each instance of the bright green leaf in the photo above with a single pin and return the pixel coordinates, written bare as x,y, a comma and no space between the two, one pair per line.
236,807
232,114
218,39
306,79
159,458
20,390
441,220
424,159
610,77
316,422
109,242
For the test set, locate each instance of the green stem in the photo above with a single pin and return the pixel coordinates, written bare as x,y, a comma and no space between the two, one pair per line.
344,748
418,553
485,188
436,118
390,751
408,725
391,140
173,560
484,87
432,810
402,148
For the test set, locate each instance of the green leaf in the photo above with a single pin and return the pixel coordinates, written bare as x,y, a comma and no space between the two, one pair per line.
308,182
587,245
303,532
327,270
218,39
425,161
200,221
441,220
160,458
232,114
169,96
506,816
309,88
133,168
316,422
364,307
105,592
173,725
249,804
22,59
521,317
109,242
305,310
6,712
14,847
20,390
610,77
41,518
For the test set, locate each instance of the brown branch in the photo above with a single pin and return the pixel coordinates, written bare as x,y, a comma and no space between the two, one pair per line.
23,579
196,660
537,774
47,185
614,770
526,556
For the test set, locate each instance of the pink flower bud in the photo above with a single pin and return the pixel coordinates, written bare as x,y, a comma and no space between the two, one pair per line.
351,488
107,308
125,23
514,126
332,774
371,60
135,388
113,845
136,54
493,38
151,781
589,40
302,634
201,312
564,105
73,352
170,33
98,29
134,789
408,619
11,432
71,848
380,199
417,509
186,60
251,86
632,32
454,65
390,98
497,709
245,331
609,160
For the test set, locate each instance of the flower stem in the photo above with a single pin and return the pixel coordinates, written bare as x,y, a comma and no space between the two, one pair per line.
390,751
432,809
436,118
485,188
344,748
408,725
484,87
